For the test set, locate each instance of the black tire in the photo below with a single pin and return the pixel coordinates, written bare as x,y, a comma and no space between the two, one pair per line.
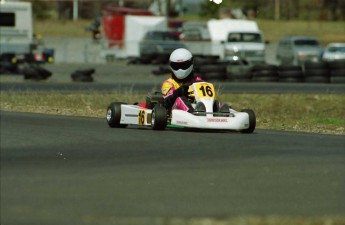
214,76
337,76
337,65
264,79
316,76
252,121
159,117
316,73
289,68
338,73
315,66
200,61
291,76
265,76
161,59
113,115
44,73
337,80
81,77
212,68
146,59
31,73
241,77
290,73
8,67
87,72
291,79
316,79
264,67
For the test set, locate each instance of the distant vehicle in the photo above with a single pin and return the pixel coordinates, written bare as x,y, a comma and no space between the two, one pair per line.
296,50
334,52
158,45
230,39
244,41
17,40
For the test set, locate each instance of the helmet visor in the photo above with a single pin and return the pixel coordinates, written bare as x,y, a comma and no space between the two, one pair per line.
181,65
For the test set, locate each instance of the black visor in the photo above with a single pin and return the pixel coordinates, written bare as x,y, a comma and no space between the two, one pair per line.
181,65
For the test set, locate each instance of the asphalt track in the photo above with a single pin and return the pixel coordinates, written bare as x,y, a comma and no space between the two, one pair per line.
75,170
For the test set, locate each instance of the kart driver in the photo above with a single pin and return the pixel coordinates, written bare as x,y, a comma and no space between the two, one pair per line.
175,89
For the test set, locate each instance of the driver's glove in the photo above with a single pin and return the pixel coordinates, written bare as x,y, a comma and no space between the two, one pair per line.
181,91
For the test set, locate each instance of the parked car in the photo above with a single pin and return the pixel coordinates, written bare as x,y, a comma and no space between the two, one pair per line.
158,45
296,50
334,52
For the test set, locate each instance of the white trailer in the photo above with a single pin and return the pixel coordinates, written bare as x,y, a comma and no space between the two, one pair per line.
16,29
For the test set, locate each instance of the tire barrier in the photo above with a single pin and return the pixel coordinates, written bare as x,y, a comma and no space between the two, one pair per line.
210,67
310,72
214,69
290,74
200,61
213,72
35,72
337,71
316,72
264,73
239,71
83,75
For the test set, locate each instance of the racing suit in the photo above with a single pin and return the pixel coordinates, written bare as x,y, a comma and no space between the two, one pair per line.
178,102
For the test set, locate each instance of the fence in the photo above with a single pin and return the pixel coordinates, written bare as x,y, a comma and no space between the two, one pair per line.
75,50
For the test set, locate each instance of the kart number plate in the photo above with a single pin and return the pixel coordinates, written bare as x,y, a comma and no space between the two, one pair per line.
204,90
141,117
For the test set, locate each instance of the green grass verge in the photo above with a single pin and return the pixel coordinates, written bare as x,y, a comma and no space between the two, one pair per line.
291,112
326,32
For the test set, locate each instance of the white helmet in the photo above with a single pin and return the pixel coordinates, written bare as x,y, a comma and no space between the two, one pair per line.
181,63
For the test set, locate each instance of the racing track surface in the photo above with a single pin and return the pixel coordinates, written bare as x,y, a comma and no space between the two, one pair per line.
74,170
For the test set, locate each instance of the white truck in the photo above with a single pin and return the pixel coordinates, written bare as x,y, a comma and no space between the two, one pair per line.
17,41
230,39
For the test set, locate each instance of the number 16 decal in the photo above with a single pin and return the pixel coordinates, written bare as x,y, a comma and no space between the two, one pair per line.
141,117
206,91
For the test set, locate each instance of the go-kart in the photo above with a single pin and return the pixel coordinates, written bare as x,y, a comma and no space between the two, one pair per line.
153,114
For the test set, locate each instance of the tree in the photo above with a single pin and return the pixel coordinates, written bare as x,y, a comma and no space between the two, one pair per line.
209,10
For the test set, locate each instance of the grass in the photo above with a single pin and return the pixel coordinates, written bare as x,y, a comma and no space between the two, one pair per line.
290,112
326,31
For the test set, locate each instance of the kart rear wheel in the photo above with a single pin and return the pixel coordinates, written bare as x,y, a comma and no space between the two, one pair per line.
114,115
159,117
252,121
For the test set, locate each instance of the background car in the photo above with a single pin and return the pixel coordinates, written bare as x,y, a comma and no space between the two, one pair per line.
296,50
334,52
157,46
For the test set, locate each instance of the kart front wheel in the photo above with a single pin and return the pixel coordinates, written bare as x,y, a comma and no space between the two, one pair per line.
114,115
252,121
159,117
